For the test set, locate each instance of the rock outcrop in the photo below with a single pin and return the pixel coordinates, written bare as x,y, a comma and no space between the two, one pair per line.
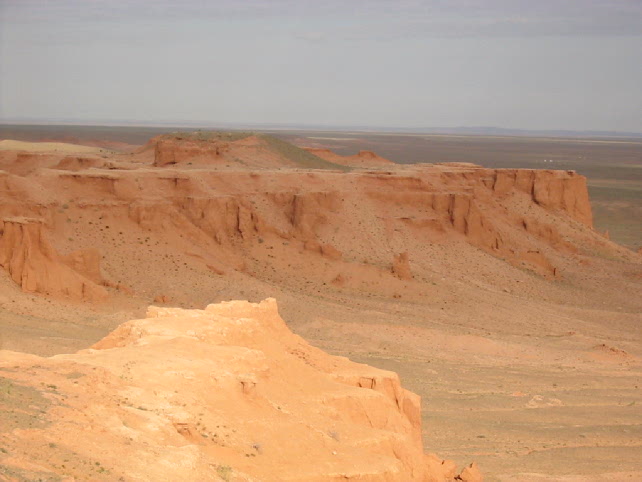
37,268
227,392
324,223
168,151
561,190
231,151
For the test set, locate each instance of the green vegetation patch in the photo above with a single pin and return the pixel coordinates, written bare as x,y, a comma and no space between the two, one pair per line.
299,156
224,472
24,475
206,136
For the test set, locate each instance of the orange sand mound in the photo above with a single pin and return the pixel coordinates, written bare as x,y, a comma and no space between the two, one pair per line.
361,159
224,392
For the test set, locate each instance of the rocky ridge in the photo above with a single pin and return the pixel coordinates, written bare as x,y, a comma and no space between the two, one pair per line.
528,218
227,392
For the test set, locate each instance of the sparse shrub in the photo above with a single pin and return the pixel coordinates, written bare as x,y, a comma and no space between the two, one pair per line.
224,472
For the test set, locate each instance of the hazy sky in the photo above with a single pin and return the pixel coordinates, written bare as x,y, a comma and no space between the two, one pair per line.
535,64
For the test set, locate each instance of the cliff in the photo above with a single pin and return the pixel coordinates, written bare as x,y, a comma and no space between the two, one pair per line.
222,393
361,222
36,267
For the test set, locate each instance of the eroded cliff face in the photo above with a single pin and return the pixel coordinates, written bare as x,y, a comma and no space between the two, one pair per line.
226,392
167,152
36,267
364,223
558,190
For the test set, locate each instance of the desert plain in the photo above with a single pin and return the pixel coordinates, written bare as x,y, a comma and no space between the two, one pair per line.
496,279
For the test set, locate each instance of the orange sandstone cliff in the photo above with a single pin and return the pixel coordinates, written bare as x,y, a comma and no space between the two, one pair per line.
37,268
222,393
228,219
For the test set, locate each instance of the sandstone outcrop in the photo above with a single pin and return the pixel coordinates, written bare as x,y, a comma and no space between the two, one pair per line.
562,190
226,392
320,224
37,268
232,150
168,151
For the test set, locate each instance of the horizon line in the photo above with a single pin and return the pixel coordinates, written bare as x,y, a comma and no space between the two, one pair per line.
461,129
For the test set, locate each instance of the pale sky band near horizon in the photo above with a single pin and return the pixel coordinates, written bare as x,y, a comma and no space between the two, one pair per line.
572,64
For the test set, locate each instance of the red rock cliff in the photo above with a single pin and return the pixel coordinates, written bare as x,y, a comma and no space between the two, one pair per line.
37,268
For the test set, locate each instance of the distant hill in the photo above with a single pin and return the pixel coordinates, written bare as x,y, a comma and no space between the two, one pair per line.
501,131
14,129
232,149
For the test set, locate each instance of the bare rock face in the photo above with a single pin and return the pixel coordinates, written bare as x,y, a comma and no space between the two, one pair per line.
168,151
224,392
563,190
37,268
233,210
318,221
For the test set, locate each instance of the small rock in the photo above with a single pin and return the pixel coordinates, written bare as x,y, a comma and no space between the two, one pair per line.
471,474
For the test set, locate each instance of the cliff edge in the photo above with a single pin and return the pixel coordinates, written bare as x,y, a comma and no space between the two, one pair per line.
222,393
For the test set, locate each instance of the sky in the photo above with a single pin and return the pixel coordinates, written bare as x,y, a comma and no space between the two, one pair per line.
546,64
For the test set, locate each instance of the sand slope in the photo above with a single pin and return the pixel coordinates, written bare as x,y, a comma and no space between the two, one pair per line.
364,159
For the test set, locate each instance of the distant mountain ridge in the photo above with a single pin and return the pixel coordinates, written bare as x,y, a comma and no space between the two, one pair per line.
491,130
457,130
